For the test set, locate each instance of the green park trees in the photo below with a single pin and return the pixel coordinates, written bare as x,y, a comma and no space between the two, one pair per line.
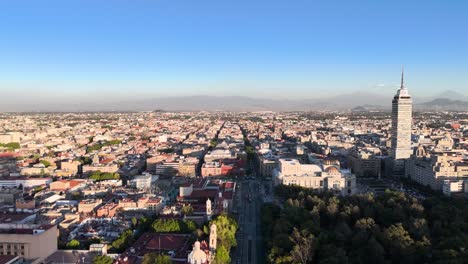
314,227
154,258
102,176
102,260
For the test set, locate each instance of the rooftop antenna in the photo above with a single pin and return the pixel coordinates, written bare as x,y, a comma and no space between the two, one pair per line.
402,77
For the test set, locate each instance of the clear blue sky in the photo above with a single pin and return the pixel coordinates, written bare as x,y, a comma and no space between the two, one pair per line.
256,48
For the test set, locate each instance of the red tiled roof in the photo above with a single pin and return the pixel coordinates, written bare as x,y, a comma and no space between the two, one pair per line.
204,193
165,242
8,155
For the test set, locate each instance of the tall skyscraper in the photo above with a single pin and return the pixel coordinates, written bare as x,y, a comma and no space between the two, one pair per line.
402,109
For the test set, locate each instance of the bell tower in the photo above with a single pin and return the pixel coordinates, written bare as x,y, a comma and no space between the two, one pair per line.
213,237
209,211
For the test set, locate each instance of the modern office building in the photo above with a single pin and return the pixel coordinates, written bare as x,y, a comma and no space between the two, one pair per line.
402,108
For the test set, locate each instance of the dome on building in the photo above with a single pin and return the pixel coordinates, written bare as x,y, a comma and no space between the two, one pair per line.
197,256
311,168
332,170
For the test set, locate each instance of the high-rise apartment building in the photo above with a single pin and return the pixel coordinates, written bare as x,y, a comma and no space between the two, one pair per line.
402,108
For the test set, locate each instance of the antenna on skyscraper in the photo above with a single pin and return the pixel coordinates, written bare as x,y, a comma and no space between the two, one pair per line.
402,77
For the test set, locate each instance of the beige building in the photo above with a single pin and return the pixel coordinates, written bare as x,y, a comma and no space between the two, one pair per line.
70,166
25,204
187,167
111,168
33,242
433,170
87,206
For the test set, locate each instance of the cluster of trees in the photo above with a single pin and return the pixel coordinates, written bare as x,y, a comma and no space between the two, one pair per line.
102,260
100,145
10,146
315,227
213,143
226,232
45,163
75,244
174,226
102,176
154,258
125,239
187,209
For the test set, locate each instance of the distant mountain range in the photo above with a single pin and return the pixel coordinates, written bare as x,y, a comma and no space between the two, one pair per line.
362,101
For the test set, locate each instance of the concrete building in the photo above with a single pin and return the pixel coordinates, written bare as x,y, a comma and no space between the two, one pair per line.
219,154
88,206
107,210
211,169
167,168
15,182
32,242
434,170
187,167
143,182
109,168
7,164
70,167
364,164
267,165
9,196
450,187
402,110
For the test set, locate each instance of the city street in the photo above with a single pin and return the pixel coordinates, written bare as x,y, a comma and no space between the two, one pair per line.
249,241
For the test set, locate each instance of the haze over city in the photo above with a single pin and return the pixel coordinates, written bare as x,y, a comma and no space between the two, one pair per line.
94,52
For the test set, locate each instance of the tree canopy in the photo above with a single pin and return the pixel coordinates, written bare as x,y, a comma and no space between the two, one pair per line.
154,258
102,176
318,227
73,244
11,145
226,228
174,226
102,260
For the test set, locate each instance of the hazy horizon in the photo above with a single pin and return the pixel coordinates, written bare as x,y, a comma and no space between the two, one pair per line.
90,51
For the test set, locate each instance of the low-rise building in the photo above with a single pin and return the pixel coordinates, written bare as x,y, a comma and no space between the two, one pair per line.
88,206
107,210
9,196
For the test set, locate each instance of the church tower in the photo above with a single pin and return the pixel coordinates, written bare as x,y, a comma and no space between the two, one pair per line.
209,211
213,237
96,159
402,109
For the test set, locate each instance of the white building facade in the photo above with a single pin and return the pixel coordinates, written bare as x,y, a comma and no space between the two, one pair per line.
321,177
